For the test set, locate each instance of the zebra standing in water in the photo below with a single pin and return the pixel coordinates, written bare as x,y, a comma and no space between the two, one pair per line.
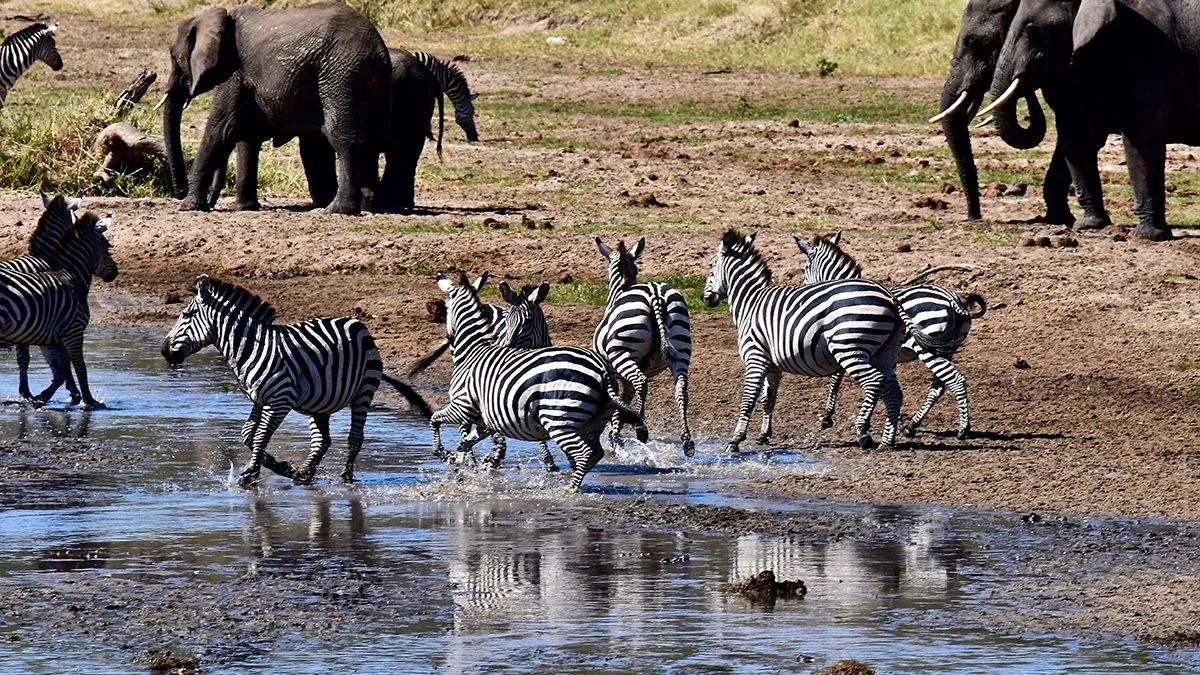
317,367
454,85
852,326
937,311
644,331
565,394
51,307
19,50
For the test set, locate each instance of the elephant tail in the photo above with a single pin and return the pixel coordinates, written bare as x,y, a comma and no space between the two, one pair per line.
441,122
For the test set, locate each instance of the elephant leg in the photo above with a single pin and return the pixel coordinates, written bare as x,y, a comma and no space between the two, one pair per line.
1081,155
400,175
319,168
1054,189
1146,155
350,161
210,158
247,176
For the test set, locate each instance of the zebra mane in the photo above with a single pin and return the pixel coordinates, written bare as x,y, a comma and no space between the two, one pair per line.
52,229
26,32
735,242
626,266
239,297
447,73
843,259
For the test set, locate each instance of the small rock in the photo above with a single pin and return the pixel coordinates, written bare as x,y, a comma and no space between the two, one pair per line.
646,200
528,223
948,189
1017,190
1029,241
930,203
904,248
1021,364
566,279
436,310
172,298
995,190
1044,242
557,41
1067,242
848,667
494,224
795,124
1119,237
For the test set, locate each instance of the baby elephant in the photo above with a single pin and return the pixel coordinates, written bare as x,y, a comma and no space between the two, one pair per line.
318,367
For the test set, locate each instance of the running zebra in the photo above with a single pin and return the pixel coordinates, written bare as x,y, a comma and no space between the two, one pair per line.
644,331
454,85
50,307
852,326
34,42
936,311
317,367
560,393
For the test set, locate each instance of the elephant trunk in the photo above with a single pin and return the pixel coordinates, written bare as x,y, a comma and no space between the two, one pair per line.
1008,125
956,127
172,117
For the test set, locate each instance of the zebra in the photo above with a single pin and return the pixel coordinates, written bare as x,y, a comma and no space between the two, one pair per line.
317,367
532,333
52,226
51,307
818,330
644,331
34,42
561,393
454,85
936,310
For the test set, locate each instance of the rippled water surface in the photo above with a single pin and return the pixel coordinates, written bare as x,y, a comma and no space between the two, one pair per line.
488,575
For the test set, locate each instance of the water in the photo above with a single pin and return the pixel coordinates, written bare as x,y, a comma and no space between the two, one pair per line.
474,570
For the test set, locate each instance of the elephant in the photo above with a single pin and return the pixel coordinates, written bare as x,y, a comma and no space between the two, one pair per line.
319,72
984,25
1130,79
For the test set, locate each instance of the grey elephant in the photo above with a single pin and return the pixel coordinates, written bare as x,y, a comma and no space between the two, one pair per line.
1130,79
320,73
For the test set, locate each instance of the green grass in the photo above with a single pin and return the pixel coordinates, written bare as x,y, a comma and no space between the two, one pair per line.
1185,367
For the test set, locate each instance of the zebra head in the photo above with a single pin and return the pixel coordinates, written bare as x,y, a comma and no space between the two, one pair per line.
524,323
826,261
467,323
464,115
195,328
84,250
46,51
736,261
622,263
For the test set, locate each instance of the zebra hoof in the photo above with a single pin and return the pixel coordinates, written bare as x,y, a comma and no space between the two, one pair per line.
866,442
763,439
248,479
286,470
908,430
92,405
551,468
76,399
348,476
732,450
689,448
492,461
643,434
963,433
826,422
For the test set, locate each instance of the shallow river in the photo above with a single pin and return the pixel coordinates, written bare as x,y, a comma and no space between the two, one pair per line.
493,581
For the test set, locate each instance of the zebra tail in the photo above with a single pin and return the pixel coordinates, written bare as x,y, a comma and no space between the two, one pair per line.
660,318
410,394
441,123
943,346
975,300
628,415
427,360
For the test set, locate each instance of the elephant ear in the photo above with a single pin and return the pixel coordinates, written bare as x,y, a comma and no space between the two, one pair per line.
1094,15
208,30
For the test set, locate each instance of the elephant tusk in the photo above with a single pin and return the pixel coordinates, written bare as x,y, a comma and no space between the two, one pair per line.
949,111
162,102
985,121
1008,94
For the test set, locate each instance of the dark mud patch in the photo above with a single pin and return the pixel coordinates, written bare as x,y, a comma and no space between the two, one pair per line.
823,525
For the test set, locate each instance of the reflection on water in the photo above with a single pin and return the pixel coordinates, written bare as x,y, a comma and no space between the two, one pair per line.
489,570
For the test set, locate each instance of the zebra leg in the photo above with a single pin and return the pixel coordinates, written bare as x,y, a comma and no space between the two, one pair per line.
893,397
247,176
358,421
56,357
681,401
944,371
74,347
23,370
751,386
770,389
547,458
318,428
499,450
872,381
583,452
272,417
627,371
936,388
249,429
835,383
451,414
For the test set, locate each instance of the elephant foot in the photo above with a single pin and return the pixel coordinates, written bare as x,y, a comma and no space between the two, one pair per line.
345,207
190,203
827,422
865,441
763,439
247,206
1152,232
1091,221
1059,216
689,448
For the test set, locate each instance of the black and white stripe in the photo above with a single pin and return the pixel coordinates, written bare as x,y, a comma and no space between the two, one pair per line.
454,86
818,330
50,307
317,367
564,394
644,331
19,50
934,310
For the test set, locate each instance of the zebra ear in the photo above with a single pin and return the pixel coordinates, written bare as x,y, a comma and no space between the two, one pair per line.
749,239
510,296
473,97
540,293
640,246
445,284
837,237
45,201
479,283
803,245
203,285
604,250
